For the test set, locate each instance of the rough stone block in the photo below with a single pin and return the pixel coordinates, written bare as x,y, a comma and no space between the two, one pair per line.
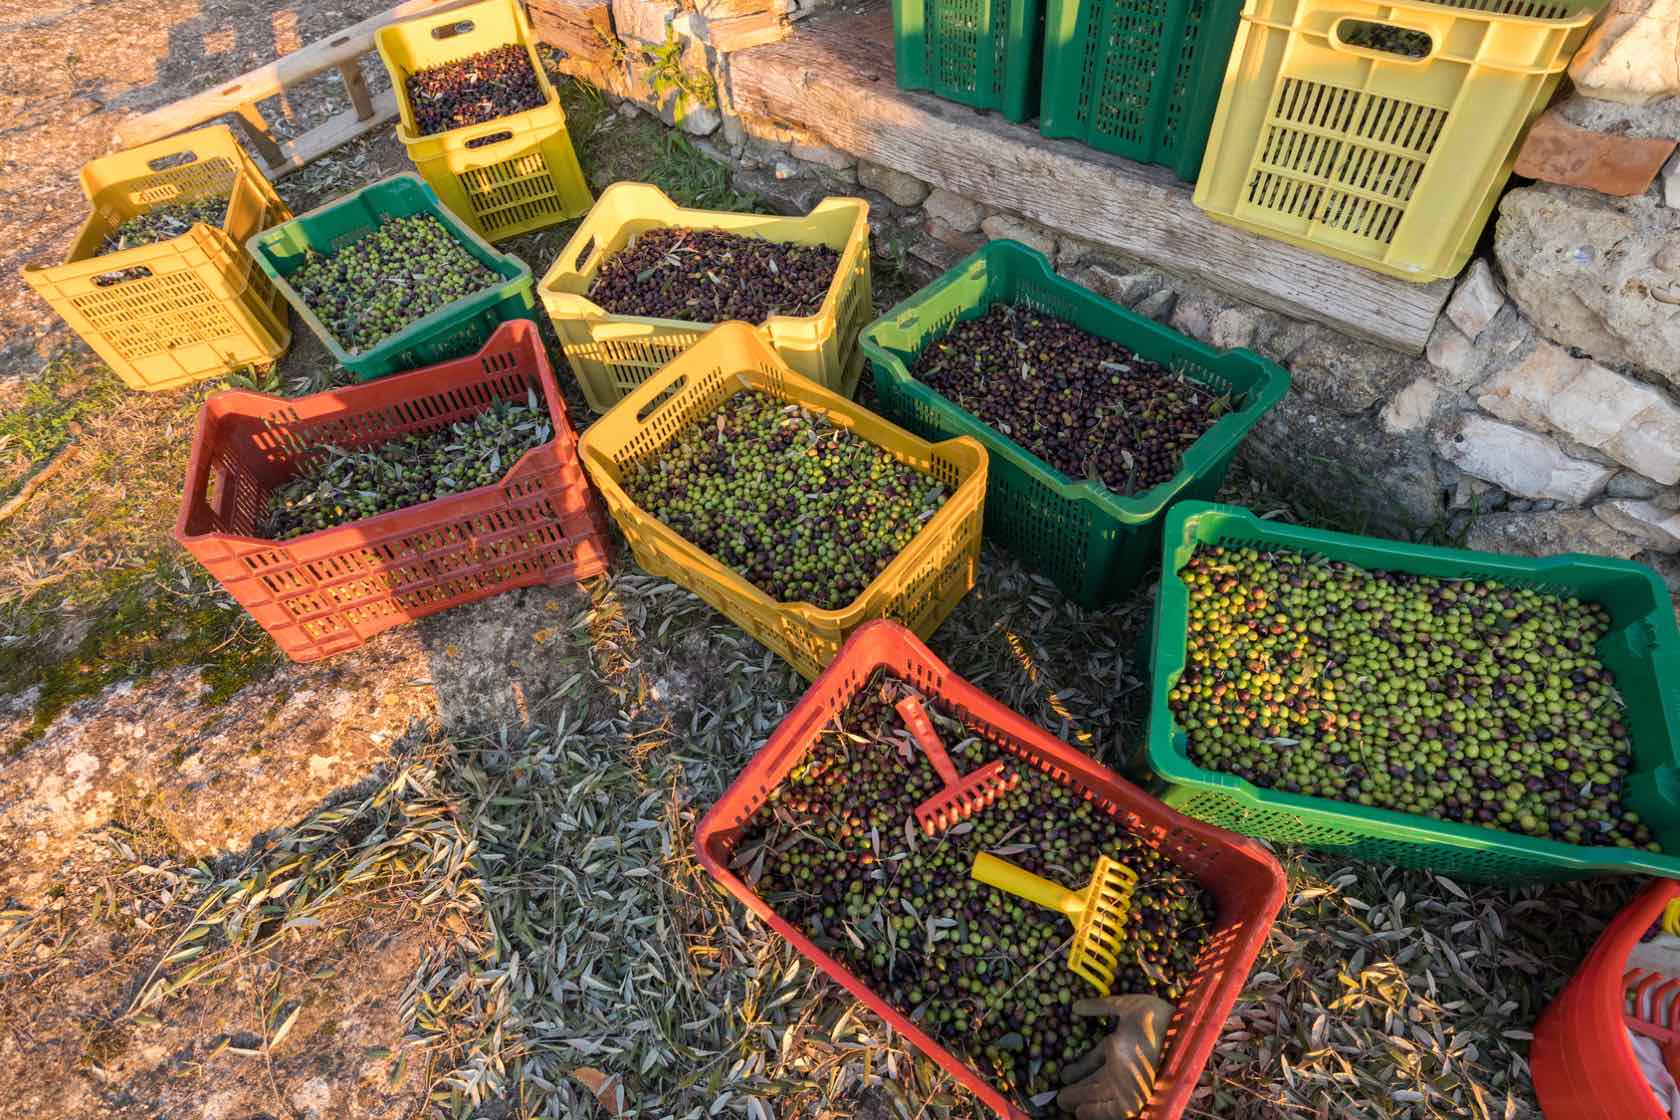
1000,226
1453,354
1304,446
1520,461
1193,317
1411,408
953,209
1585,268
1666,566
1125,288
1628,420
1233,328
822,155
1659,528
1630,56
1476,300
1475,495
962,242
904,190
643,20
1629,484
1158,306
1550,533
1348,375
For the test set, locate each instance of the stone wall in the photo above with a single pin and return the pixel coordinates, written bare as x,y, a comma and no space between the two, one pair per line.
1545,415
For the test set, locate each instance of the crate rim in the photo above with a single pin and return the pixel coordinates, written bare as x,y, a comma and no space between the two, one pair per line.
257,246
1230,429
714,824
1163,753
520,121
380,526
941,523
576,304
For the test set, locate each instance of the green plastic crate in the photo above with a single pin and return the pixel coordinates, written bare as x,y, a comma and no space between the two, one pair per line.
1139,78
454,331
1642,649
1095,544
984,53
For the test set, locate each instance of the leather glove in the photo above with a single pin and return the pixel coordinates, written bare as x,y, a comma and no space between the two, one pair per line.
1114,1080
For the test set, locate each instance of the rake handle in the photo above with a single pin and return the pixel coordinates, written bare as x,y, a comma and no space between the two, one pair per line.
921,729
1021,883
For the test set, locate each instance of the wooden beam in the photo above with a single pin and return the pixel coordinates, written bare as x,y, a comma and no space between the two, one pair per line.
270,80
834,77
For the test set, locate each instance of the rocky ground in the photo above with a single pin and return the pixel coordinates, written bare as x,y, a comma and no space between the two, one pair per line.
452,871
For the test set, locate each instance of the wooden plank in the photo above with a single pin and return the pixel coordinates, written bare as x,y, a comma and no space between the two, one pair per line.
269,80
834,77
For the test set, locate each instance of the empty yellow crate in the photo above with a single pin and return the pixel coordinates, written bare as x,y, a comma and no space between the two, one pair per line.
196,307
503,177
1330,135
612,354
917,589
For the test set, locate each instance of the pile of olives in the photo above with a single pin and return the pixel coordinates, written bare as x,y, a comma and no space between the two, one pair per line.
472,90
1459,699
801,508
710,276
395,275
835,850
1087,406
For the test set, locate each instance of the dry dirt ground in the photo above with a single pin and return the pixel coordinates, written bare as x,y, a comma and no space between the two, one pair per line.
451,871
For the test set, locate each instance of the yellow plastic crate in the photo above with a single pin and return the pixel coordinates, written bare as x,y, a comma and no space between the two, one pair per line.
1371,156
917,589
612,354
503,177
200,309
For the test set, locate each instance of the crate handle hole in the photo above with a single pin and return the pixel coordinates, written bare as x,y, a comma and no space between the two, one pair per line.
493,138
662,398
175,159
234,88
340,41
450,30
1384,38
583,254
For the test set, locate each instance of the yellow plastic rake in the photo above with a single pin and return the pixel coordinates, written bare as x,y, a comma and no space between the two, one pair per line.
1098,912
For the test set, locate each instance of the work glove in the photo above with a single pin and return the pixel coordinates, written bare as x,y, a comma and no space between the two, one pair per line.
1114,1079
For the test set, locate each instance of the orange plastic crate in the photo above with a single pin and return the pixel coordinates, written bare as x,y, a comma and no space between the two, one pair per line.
1245,880
328,591
200,309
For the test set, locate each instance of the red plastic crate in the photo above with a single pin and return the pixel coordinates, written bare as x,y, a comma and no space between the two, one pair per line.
1245,880
329,591
1582,1061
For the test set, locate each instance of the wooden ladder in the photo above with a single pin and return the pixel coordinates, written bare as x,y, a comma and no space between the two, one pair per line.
239,97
